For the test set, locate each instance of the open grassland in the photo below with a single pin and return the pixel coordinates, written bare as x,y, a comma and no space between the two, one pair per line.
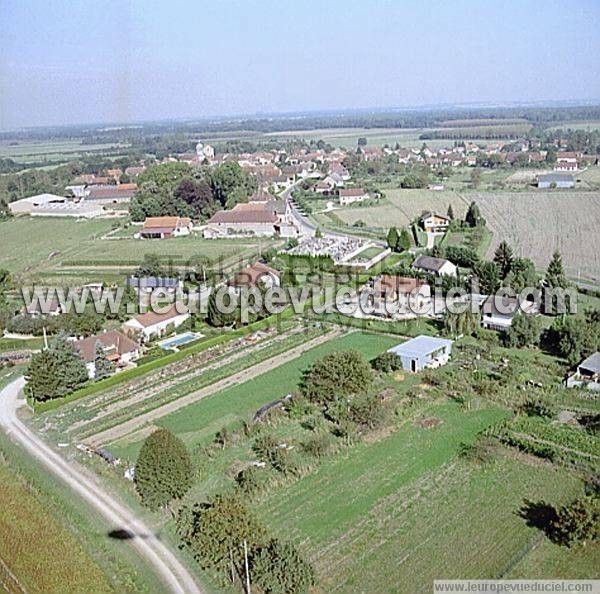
30,540
397,514
400,207
537,223
198,423
57,247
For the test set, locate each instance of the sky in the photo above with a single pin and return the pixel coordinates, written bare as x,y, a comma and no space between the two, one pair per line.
92,61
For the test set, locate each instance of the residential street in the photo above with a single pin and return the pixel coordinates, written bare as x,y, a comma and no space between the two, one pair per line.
167,566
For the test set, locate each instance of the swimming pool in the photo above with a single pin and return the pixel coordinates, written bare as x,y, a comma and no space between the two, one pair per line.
179,340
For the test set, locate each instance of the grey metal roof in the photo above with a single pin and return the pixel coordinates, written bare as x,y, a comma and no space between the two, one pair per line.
555,177
592,363
419,346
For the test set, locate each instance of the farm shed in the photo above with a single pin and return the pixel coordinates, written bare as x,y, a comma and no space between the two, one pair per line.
422,352
556,180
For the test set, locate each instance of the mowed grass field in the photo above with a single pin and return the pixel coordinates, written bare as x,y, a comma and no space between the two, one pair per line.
37,553
394,515
198,423
57,246
400,207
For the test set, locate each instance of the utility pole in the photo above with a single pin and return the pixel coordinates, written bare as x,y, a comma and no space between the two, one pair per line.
232,568
246,566
45,337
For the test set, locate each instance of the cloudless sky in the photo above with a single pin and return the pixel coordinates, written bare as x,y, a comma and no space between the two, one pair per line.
80,61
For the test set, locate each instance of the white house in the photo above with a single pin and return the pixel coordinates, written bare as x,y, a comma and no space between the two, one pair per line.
350,195
435,223
437,266
153,325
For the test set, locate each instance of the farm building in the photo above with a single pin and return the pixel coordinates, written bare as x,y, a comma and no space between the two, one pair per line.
26,205
259,219
350,195
153,325
117,348
437,266
555,180
587,374
111,194
423,352
164,227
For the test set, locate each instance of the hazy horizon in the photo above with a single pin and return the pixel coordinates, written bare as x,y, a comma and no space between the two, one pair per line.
126,62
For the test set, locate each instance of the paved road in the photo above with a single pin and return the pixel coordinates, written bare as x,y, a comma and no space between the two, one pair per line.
141,422
174,575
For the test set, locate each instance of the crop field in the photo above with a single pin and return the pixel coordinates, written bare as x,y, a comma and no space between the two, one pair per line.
199,422
60,150
537,223
31,538
405,510
71,248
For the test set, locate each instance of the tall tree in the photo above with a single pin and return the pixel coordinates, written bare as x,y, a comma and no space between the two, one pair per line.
164,470
450,212
197,195
337,375
488,275
392,238
404,240
503,257
103,368
555,274
55,371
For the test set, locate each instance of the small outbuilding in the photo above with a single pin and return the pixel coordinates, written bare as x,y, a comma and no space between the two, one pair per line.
423,352
555,180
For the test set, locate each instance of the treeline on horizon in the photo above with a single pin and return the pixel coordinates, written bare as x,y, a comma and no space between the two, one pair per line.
433,118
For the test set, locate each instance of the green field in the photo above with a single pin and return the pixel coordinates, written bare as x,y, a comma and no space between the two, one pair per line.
394,515
75,248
